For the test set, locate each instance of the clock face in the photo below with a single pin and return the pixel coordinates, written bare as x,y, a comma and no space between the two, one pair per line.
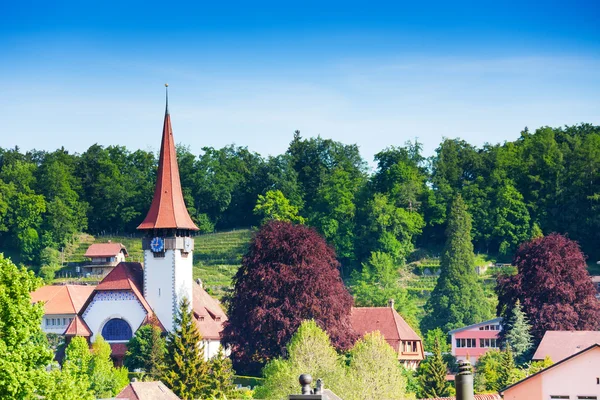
188,245
157,245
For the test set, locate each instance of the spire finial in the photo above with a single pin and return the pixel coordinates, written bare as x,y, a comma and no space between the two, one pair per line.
167,98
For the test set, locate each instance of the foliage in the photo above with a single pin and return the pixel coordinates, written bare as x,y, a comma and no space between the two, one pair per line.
309,351
274,206
378,282
146,351
436,338
432,374
516,332
220,382
186,371
288,275
373,371
458,298
552,285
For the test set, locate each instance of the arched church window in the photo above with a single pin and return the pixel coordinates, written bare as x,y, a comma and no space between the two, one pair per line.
116,329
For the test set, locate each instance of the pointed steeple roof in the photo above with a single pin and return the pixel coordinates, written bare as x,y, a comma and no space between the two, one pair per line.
168,210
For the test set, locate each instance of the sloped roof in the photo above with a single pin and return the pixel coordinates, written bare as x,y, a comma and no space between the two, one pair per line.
208,313
147,391
168,210
562,344
477,325
555,365
383,319
62,299
104,250
78,327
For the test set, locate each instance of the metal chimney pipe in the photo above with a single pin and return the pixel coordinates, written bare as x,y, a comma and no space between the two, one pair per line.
464,381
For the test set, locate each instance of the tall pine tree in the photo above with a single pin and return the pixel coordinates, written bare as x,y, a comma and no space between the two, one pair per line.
432,374
458,298
186,370
516,331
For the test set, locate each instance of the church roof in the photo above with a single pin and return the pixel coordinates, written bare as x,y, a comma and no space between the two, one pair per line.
168,210
209,315
62,299
78,327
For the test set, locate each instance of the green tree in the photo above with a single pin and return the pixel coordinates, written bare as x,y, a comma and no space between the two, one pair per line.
436,337
23,345
432,374
516,332
457,299
186,371
62,384
146,351
511,220
309,351
506,371
274,206
373,371
220,383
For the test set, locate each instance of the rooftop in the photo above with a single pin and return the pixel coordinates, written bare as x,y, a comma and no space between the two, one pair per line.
559,345
62,299
147,391
383,319
104,250
477,325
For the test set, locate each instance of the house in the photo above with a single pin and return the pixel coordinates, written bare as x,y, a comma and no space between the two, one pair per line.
147,391
131,294
103,258
62,303
475,340
559,345
575,377
397,333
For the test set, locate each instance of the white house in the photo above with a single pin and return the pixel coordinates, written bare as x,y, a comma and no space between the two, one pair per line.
62,303
103,258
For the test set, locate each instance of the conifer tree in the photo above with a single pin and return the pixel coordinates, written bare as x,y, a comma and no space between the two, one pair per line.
458,298
146,351
220,383
507,367
516,331
432,374
186,370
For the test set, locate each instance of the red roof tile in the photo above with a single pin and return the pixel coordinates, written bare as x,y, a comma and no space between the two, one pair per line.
147,391
78,327
383,319
208,313
168,208
104,250
62,299
562,344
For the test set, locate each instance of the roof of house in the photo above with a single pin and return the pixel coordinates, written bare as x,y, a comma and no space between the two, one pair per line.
595,278
62,299
477,325
78,327
209,315
555,365
383,319
559,345
147,391
493,396
168,210
104,250
126,276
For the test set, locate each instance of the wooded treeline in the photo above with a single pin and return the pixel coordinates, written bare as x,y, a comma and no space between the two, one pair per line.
546,181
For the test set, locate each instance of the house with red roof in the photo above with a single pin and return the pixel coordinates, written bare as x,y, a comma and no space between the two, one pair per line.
62,304
131,294
397,333
103,258
559,345
147,391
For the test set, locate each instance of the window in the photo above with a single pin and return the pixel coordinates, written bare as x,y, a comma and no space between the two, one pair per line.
116,329
587,397
159,255
559,397
64,321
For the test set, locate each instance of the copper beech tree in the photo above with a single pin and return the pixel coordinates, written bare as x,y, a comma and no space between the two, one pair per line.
552,285
288,275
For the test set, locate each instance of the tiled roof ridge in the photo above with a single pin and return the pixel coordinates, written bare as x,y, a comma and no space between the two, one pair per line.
134,391
71,298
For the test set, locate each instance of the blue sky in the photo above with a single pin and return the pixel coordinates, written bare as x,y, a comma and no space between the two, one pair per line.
375,74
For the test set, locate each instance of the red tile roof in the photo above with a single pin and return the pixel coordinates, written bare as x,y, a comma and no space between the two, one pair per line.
78,327
383,319
562,344
208,313
62,299
168,208
104,250
147,391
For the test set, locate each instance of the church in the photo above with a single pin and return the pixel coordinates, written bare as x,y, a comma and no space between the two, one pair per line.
132,294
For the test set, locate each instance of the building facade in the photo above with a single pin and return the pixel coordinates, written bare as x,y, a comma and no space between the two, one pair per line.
475,340
103,258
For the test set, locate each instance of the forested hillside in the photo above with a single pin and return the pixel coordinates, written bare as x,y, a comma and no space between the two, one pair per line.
544,181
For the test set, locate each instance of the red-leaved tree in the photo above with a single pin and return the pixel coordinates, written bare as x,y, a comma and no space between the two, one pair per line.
289,275
553,285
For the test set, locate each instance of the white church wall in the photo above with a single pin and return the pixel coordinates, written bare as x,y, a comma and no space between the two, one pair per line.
159,282
184,277
108,305
211,348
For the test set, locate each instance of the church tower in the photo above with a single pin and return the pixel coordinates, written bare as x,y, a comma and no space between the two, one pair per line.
168,245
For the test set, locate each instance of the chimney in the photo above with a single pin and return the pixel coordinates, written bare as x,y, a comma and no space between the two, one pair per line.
464,381
391,303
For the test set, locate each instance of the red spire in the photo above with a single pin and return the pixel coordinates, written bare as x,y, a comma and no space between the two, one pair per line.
168,208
